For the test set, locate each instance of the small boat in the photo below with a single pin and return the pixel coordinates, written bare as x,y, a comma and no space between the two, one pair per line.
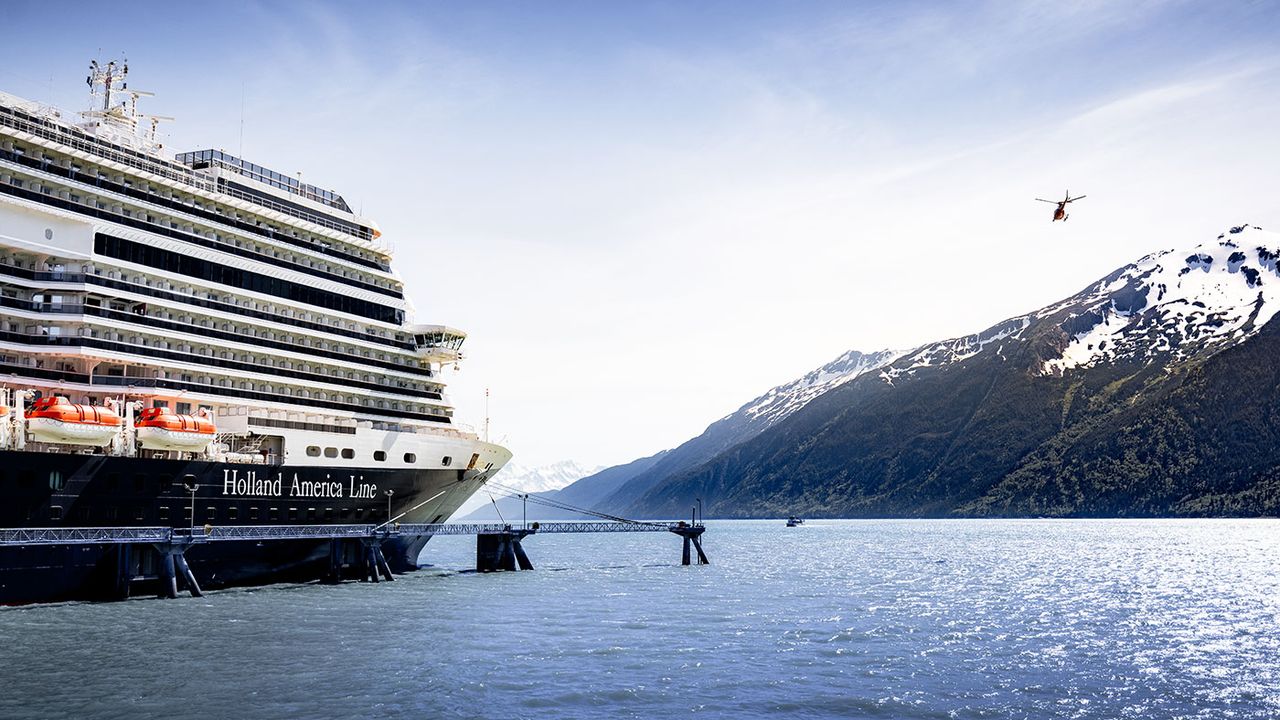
57,420
163,429
793,521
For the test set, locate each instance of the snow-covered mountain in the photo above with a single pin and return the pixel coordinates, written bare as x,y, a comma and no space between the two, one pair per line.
536,479
545,478
1175,303
1169,306
787,398
1153,391
750,420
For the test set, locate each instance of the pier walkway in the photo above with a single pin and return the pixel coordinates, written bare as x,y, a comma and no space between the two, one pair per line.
202,534
498,545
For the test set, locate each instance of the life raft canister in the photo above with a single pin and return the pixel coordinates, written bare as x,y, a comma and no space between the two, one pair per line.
163,429
58,420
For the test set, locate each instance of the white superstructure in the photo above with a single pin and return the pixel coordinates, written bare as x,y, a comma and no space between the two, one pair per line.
202,281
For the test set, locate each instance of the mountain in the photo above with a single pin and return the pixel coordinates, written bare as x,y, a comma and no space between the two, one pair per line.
540,479
743,424
1155,391
588,492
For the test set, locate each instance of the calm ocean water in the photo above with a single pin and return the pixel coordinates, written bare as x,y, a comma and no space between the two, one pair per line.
885,619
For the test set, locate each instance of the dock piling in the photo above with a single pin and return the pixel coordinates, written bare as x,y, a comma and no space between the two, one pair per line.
692,534
502,550
173,565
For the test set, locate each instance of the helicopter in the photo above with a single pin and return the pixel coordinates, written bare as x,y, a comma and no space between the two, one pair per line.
1060,213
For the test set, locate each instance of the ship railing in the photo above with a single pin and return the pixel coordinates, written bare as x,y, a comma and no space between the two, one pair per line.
182,175
85,535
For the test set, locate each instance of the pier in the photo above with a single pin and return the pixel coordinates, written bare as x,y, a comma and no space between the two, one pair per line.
498,545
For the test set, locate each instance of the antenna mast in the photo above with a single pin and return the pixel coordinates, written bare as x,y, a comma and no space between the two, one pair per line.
106,79
107,84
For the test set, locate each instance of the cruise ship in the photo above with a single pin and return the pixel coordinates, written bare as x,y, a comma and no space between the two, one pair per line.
194,339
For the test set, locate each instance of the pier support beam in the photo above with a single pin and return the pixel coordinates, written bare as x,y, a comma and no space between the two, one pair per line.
692,534
375,563
502,551
124,571
192,586
173,564
336,557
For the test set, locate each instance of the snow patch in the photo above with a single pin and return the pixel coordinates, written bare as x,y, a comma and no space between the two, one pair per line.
784,400
1182,303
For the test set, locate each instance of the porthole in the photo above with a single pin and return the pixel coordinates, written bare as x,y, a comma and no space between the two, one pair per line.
410,458
313,451
331,452
348,454
380,455
446,461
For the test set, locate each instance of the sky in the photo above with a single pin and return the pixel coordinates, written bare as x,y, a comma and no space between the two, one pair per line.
647,213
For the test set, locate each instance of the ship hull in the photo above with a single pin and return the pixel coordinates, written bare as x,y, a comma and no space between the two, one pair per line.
80,490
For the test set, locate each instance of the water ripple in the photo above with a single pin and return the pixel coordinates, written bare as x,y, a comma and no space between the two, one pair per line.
892,619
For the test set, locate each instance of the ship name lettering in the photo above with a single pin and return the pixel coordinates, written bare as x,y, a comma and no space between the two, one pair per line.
315,488
249,484
362,489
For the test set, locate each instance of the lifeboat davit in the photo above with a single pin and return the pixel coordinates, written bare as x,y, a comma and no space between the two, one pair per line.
58,420
162,429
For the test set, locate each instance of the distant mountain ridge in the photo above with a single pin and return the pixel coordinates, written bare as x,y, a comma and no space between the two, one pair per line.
618,486
1153,391
746,422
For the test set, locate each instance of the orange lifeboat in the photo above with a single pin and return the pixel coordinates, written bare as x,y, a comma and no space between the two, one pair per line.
163,429
59,421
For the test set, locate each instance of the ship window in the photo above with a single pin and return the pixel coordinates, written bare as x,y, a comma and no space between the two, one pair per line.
55,512
380,455
253,513
410,458
273,514
210,514
162,512
140,513
328,513
348,454
311,513
293,514
446,461
56,481
233,513
331,452
345,513
313,451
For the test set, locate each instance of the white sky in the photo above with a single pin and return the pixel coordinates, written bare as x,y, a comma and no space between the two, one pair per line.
645,217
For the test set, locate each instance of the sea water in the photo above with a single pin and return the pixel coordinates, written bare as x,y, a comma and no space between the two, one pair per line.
882,619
